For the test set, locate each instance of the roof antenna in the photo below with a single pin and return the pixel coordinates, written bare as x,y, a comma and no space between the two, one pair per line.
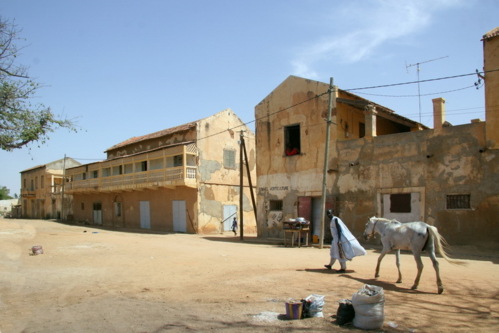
417,69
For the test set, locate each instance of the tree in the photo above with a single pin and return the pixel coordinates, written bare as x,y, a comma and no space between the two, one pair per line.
21,122
4,193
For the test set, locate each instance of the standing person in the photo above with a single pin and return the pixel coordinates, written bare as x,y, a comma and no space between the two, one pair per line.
344,245
234,226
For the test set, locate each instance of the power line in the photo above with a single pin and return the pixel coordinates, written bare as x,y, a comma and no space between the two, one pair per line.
423,81
429,94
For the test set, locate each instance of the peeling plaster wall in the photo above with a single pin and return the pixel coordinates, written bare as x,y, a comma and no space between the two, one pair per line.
286,178
218,184
435,163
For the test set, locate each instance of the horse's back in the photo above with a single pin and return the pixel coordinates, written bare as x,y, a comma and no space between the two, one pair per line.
408,236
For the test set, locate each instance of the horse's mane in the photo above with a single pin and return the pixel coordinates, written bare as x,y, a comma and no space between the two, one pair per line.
384,219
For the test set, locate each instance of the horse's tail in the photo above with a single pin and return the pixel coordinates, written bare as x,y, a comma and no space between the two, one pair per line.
440,244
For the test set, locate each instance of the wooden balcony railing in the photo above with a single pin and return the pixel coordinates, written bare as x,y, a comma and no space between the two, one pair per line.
170,177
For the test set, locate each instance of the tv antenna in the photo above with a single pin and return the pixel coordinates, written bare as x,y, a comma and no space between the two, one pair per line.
417,70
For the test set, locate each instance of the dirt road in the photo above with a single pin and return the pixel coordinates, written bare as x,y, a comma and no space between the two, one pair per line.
95,280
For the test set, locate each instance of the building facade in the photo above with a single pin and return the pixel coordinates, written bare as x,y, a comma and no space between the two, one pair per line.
42,190
379,162
182,179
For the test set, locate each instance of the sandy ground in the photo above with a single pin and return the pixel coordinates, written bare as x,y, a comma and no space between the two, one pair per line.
97,280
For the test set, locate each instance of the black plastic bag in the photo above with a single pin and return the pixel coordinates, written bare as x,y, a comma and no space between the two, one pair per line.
345,312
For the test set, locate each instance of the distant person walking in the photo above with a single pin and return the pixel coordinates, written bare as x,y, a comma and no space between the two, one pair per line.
234,226
344,245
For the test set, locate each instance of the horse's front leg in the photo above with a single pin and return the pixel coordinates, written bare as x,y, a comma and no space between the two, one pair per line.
381,256
397,261
419,263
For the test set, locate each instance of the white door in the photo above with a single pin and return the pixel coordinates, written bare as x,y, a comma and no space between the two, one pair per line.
230,211
145,215
97,213
179,221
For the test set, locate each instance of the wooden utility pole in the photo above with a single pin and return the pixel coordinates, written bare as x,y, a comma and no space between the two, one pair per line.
331,104
250,183
62,187
241,218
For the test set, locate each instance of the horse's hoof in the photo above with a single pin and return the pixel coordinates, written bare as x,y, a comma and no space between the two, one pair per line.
376,276
440,290
399,281
414,287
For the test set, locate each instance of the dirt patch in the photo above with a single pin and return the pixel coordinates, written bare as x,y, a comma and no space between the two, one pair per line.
99,280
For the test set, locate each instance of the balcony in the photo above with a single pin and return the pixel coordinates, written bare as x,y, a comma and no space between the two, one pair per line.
167,178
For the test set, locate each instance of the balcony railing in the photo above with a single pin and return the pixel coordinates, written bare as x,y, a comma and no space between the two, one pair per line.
169,177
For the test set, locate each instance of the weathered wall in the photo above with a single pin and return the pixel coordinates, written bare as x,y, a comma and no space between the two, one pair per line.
218,182
432,163
287,178
160,202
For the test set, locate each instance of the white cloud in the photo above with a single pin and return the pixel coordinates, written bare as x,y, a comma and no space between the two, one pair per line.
364,26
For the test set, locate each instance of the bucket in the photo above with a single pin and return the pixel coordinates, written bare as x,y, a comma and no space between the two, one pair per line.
294,310
315,239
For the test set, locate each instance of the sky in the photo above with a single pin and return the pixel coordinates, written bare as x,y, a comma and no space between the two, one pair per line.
124,68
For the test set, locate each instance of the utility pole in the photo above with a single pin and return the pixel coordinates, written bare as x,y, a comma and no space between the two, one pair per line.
241,217
62,187
250,183
331,104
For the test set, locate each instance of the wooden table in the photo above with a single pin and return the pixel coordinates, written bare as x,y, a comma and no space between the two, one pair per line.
296,229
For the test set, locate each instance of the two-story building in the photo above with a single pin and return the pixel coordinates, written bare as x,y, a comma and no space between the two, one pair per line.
181,179
379,163
42,190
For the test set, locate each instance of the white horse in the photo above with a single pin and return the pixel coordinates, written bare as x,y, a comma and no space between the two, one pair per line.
414,236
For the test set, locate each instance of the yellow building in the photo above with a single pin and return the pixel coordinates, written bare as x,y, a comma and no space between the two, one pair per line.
379,163
42,190
181,179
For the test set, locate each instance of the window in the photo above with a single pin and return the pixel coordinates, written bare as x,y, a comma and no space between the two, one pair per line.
458,201
362,130
82,206
275,205
117,209
156,164
95,174
117,170
178,160
141,166
292,140
106,172
400,203
42,181
229,159
128,168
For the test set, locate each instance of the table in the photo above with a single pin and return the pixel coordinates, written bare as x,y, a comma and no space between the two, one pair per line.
296,229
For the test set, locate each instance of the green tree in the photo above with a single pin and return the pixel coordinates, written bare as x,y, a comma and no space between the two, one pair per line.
4,193
21,122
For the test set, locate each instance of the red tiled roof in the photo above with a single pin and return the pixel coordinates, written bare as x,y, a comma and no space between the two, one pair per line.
135,139
492,33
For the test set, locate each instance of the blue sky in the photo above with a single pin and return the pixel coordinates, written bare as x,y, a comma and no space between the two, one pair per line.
123,68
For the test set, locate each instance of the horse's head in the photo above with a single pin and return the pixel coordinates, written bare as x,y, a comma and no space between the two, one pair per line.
369,230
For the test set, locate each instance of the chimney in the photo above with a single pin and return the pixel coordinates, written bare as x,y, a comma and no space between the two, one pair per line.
438,112
490,66
370,119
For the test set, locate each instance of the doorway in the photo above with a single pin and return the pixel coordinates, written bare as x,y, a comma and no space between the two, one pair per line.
179,216
145,215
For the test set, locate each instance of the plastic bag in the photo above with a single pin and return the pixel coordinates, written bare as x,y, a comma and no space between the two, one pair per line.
368,304
312,306
345,312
